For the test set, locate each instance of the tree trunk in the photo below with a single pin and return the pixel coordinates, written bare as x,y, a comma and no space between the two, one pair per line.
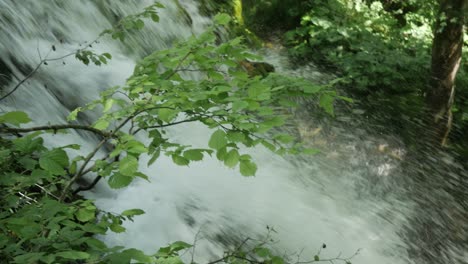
446,57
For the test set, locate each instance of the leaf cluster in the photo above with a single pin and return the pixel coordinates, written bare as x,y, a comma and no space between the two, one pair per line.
199,80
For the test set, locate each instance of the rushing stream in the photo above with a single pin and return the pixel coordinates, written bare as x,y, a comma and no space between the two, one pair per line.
365,191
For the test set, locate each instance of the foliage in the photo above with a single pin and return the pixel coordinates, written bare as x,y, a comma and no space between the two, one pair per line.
43,220
263,16
382,51
367,44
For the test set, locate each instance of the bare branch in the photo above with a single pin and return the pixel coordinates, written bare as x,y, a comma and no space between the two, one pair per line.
41,62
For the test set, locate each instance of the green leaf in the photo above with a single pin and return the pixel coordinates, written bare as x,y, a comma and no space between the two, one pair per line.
139,24
132,212
135,147
73,255
247,168
72,116
117,228
29,257
179,160
222,19
15,118
239,105
108,105
178,246
326,102
277,260
85,214
167,115
312,89
310,151
218,140
101,124
54,161
155,17
128,165
235,136
95,244
119,180
155,156
263,252
194,154
232,158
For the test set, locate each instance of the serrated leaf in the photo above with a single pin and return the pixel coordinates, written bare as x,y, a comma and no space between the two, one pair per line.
135,147
167,115
218,140
119,180
101,124
222,19
54,161
15,118
179,160
235,136
194,154
247,168
85,215
232,158
117,228
128,165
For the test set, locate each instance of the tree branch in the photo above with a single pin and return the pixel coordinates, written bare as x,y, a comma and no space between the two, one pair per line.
55,128
43,61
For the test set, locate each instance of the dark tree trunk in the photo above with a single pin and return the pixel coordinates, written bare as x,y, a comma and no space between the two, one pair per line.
446,57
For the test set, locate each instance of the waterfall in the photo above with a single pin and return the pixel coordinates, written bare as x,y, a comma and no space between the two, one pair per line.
349,197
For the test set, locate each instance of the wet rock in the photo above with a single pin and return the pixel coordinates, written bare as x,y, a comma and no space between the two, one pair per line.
254,68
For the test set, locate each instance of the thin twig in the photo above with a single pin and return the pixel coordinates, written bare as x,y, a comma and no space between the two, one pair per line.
41,62
166,125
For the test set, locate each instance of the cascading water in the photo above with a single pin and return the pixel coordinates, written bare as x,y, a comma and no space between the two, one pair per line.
355,195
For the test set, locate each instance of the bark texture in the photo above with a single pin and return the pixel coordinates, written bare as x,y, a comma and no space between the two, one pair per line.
446,57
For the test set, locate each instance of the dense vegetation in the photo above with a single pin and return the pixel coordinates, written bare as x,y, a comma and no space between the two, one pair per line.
381,49
45,220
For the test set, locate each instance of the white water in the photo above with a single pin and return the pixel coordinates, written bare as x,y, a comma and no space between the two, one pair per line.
309,201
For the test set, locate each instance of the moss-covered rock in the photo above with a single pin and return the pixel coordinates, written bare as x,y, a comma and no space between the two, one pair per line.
256,68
